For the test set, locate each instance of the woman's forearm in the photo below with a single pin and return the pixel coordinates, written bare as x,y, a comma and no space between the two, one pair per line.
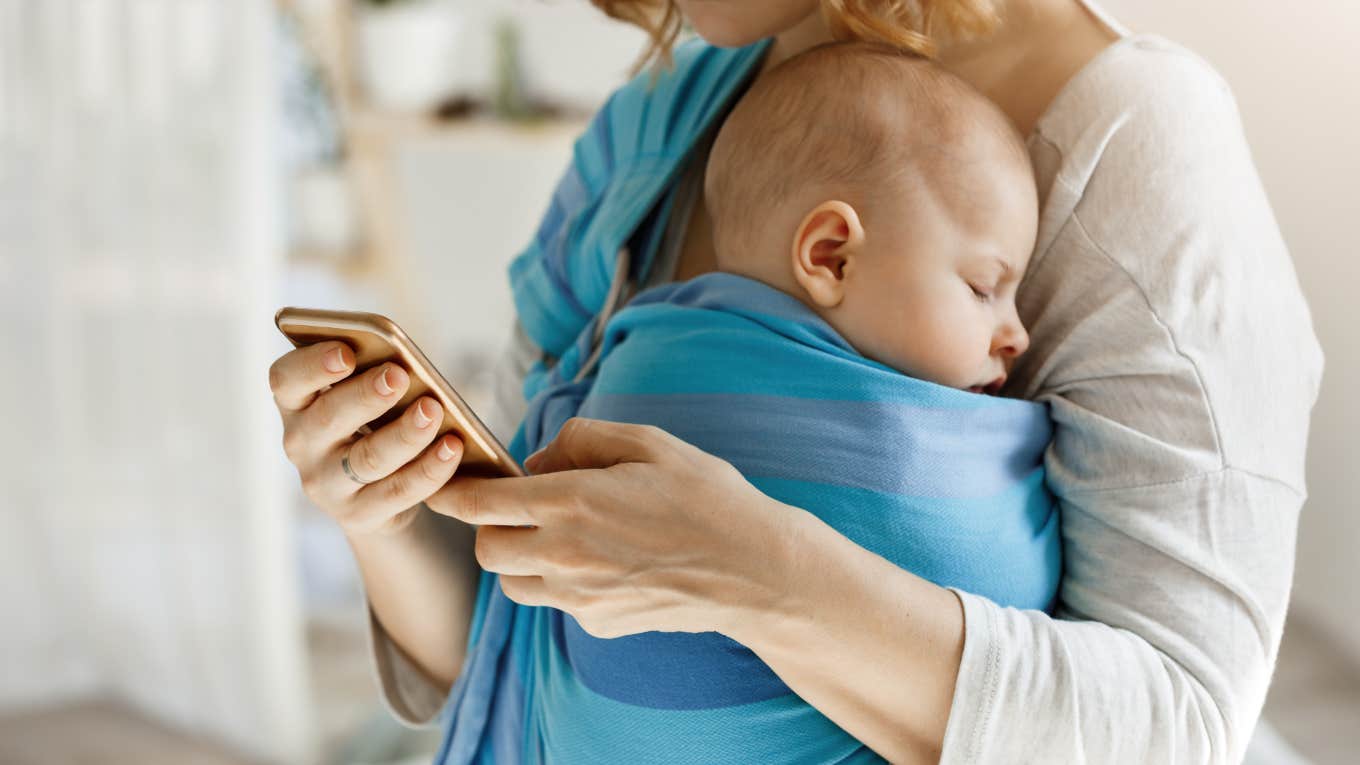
873,647
422,585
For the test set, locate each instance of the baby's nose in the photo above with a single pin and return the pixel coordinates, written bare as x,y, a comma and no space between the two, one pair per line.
1013,340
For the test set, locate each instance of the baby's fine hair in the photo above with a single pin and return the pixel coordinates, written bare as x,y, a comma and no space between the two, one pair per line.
853,121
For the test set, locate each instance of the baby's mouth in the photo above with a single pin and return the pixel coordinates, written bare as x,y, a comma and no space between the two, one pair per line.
991,389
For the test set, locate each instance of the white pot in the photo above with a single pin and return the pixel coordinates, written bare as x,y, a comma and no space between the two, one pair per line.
407,52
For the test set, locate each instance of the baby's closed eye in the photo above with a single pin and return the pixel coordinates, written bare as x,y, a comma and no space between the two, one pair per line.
981,293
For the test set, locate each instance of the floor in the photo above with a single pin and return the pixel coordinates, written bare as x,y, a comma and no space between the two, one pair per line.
101,733
355,729
1314,704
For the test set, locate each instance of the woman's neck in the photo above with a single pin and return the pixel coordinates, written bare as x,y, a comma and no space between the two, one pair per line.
1020,65
1020,20
808,33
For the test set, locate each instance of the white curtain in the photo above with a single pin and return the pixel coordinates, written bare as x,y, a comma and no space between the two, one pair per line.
145,548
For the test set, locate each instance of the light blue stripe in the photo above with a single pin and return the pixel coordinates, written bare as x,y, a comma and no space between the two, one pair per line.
1004,547
750,299
730,330
889,447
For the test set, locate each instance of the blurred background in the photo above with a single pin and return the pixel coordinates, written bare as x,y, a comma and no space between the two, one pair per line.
174,171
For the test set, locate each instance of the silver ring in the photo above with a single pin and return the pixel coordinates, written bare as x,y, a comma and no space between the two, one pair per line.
349,471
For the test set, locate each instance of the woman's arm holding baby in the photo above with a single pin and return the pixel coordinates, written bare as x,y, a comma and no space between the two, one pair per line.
637,530
1162,655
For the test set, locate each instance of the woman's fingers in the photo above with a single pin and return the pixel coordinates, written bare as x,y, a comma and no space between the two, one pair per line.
586,443
297,376
390,503
336,414
319,425
380,453
504,501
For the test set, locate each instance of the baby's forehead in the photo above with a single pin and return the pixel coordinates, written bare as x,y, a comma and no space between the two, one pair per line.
860,111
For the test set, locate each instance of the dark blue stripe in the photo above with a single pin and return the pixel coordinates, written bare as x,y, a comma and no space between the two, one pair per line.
603,129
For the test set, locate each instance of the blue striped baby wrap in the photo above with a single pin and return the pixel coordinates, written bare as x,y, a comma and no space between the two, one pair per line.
945,483
942,482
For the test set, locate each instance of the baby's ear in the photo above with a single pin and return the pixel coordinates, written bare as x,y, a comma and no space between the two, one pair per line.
824,248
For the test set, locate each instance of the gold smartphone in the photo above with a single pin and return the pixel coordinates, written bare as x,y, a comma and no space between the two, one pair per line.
376,339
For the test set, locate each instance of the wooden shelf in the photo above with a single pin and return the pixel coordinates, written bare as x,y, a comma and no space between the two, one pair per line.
349,265
396,127
371,141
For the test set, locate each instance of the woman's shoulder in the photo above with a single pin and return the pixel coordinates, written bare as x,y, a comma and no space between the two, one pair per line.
695,66
662,106
1143,145
1162,295
1141,84
652,116
1144,110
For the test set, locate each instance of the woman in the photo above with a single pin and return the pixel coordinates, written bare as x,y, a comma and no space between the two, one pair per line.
1168,334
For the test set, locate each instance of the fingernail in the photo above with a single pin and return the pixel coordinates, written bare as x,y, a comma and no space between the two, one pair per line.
532,460
445,453
334,361
422,418
383,384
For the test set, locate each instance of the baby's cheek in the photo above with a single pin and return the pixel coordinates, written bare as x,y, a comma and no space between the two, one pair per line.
908,347
879,335
956,344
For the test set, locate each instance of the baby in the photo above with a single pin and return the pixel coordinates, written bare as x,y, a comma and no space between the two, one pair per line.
891,198
872,218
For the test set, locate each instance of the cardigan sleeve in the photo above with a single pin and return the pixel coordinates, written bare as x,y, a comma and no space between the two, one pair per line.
1172,340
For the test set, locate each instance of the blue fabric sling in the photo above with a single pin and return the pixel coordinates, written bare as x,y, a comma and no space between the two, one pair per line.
944,483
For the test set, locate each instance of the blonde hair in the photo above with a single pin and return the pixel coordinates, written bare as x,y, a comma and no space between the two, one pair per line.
913,26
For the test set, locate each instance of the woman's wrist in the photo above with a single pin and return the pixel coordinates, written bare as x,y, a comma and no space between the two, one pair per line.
395,535
773,596
872,623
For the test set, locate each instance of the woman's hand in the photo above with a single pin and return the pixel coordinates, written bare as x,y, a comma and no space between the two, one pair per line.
319,429
633,530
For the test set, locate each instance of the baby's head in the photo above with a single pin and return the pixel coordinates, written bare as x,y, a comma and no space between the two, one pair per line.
887,195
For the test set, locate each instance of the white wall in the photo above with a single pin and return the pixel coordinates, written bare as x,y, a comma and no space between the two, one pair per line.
571,51
144,541
1295,68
